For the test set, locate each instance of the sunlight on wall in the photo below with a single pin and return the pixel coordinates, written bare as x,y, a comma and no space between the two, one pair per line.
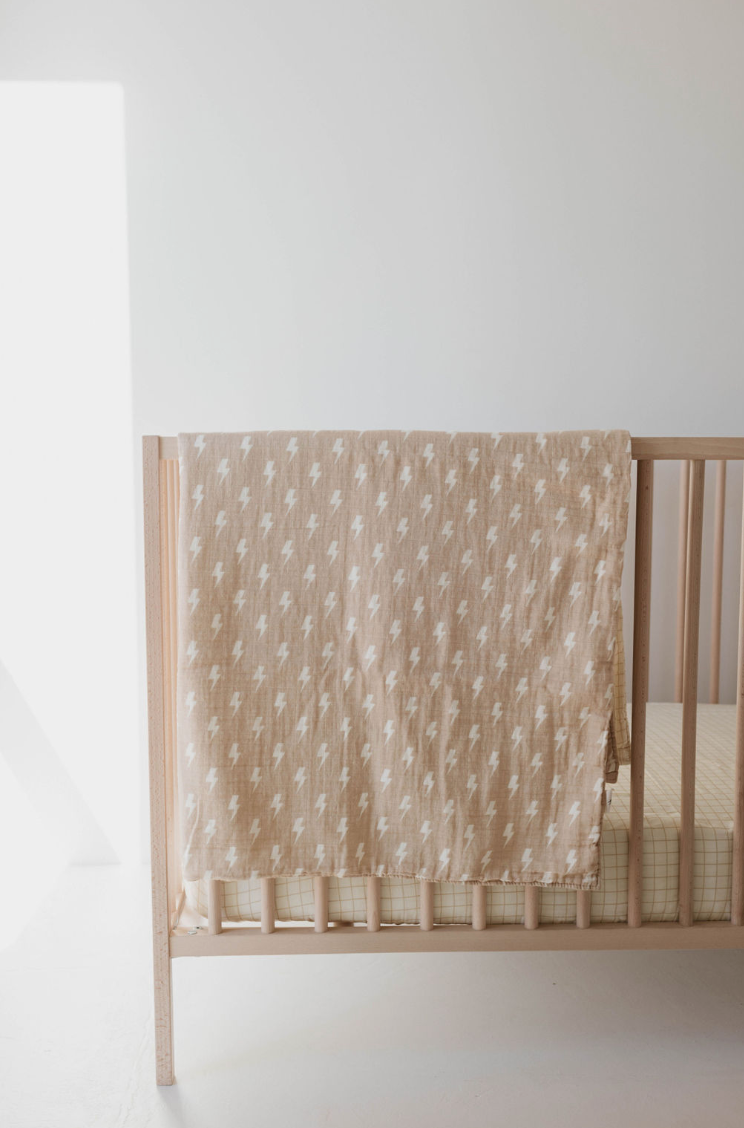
67,594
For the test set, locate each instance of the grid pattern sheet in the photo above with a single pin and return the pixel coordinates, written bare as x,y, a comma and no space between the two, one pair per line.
714,813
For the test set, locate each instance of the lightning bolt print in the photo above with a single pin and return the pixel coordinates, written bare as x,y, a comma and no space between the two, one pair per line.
398,653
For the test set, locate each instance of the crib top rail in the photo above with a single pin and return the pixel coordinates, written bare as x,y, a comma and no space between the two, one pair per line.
656,447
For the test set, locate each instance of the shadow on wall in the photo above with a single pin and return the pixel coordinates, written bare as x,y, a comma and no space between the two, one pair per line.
75,835
45,824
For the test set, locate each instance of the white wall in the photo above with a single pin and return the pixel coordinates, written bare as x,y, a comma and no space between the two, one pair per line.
68,611
455,215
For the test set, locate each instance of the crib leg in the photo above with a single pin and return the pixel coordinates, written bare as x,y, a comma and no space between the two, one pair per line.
164,1074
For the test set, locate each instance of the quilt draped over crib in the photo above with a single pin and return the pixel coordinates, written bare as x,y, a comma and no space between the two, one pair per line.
398,653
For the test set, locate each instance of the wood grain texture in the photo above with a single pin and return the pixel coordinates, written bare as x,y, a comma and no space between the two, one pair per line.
531,906
673,448
458,938
172,778
689,693
717,593
583,908
641,665
169,599
373,904
479,907
165,604
682,535
320,894
156,725
737,892
268,905
214,907
426,911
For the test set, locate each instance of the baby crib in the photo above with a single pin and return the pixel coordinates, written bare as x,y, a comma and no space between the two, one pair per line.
178,931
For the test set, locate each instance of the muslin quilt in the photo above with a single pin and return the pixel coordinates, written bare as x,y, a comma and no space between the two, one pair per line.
397,653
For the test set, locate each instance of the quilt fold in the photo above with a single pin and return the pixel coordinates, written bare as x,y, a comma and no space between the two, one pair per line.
400,653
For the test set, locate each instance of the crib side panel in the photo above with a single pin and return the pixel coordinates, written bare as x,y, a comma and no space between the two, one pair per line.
162,673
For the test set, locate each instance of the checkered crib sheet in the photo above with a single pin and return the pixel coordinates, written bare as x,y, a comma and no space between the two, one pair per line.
714,812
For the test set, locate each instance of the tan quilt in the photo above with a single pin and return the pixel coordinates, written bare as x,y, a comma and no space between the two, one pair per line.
396,652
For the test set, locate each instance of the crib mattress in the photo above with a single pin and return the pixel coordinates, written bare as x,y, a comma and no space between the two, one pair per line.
714,813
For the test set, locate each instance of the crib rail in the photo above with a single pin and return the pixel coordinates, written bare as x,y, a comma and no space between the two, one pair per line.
161,524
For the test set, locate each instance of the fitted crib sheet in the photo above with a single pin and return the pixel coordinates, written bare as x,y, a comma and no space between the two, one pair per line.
714,813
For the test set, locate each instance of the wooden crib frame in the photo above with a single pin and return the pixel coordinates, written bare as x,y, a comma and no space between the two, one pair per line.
172,939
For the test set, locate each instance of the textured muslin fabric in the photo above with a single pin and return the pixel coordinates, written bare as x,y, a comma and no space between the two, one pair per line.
714,815
397,652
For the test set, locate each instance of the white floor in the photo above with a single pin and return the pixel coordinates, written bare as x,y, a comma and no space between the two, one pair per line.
635,1039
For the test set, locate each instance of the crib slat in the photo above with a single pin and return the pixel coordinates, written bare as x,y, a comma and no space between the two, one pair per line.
583,908
717,599
214,907
167,636
531,906
684,506
479,907
173,502
426,897
268,904
170,625
373,904
737,891
641,647
320,893
689,693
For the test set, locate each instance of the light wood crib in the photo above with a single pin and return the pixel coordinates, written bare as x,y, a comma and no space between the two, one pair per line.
705,907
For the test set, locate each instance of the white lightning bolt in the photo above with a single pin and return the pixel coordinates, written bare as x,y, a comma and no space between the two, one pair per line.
285,603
